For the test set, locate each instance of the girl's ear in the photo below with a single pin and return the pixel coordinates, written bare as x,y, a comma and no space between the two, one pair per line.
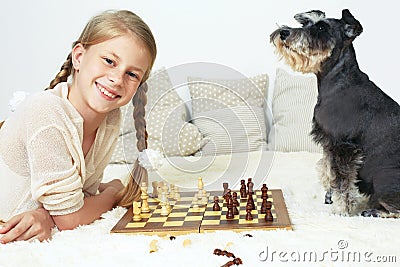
77,52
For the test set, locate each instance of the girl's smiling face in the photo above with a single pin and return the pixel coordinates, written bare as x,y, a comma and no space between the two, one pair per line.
107,74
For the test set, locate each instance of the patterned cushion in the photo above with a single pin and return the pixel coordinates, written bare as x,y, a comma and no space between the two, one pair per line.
230,113
167,126
292,107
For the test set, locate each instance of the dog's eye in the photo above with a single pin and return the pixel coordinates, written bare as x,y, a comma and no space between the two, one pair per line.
321,28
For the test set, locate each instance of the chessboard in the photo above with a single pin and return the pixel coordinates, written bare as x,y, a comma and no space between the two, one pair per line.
187,216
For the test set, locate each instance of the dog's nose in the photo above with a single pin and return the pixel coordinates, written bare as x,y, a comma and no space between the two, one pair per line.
284,34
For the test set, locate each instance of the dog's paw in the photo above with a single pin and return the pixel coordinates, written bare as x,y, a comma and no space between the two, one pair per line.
371,213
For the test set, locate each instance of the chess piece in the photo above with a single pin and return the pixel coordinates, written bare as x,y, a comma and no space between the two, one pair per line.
243,191
268,214
235,204
264,196
165,188
250,201
144,196
225,186
155,187
176,193
229,213
227,195
200,186
172,191
163,203
249,216
250,186
216,206
136,211
264,190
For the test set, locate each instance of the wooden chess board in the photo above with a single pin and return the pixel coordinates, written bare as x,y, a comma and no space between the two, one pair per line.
188,217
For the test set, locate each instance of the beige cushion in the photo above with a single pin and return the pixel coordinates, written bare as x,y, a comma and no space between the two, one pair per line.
167,126
230,113
292,107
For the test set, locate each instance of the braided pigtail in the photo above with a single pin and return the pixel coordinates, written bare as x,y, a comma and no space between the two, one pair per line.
132,191
63,74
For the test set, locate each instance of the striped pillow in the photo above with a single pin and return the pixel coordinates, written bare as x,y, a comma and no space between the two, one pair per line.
230,130
292,107
230,114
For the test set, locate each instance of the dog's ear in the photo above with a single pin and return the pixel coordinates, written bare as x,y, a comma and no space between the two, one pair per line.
352,27
309,18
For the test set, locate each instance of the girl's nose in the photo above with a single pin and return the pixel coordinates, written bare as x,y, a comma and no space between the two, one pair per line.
115,76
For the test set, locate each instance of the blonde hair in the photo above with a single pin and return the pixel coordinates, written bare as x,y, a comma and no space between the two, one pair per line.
103,27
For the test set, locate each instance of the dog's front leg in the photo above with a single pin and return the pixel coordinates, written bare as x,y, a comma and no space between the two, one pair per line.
328,196
325,175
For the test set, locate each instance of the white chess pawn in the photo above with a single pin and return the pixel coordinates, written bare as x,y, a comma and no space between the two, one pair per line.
136,211
172,191
144,197
163,203
200,186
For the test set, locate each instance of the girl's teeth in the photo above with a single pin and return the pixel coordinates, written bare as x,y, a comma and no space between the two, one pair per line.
107,93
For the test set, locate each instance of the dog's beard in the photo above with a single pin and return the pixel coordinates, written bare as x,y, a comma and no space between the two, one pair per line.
301,58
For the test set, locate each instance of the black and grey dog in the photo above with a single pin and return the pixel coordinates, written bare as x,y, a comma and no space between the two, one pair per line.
355,122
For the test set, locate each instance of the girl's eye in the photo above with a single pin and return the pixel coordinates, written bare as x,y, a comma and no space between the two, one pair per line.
109,61
132,75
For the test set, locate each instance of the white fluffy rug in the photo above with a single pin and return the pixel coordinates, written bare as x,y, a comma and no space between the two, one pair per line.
318,239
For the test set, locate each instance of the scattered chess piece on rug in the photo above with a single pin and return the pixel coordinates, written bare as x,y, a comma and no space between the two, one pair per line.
144,196
216,206
268,214
136,211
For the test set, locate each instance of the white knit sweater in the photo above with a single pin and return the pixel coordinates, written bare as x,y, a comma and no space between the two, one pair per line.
41,156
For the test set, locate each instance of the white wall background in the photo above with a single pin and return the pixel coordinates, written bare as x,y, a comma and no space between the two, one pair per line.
37,35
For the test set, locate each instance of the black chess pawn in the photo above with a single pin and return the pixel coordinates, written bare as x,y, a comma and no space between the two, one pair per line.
216,206
268,214
249,216
264,190
243,190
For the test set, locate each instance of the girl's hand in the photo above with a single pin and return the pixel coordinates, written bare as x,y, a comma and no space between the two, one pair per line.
30,225
116,184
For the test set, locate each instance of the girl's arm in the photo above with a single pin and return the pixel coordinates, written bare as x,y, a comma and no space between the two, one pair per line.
92,208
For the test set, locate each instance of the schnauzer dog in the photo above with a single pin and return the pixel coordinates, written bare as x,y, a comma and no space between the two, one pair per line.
355,122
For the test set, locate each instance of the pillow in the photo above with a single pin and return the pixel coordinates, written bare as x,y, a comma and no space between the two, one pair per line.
230,114
166,123
293,104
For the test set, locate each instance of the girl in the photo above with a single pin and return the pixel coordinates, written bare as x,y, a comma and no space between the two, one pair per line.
55,147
